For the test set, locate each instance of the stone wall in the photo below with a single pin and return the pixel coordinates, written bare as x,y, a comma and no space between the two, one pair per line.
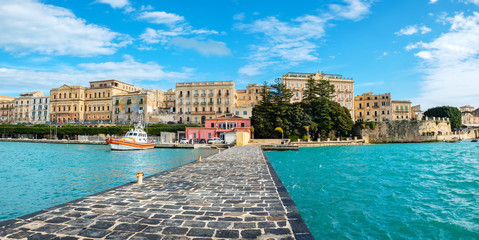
411,131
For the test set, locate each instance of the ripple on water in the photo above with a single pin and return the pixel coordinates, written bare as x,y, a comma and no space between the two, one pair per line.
394,191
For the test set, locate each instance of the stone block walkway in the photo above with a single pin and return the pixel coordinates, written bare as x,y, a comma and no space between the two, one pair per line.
234,194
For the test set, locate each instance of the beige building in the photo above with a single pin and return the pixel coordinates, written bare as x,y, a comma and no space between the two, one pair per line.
370,107
23,107
380,107
417,113
401,110
344,87
67,104
198,101
98,98
7,105
170,99
128,107
470,117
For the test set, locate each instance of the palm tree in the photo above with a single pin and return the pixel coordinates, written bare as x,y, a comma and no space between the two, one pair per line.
279,129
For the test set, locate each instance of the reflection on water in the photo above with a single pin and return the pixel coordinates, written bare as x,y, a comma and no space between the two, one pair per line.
37,175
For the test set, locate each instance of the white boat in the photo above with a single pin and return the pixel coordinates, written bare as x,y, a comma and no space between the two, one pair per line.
135,139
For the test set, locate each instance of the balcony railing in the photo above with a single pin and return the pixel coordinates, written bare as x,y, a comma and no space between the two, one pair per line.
202,113
203,94
210,94
211,103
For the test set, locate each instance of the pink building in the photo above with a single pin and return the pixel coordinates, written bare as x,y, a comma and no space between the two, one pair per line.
217,127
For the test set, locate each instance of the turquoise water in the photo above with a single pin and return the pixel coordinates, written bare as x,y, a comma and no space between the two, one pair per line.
35,176
393,191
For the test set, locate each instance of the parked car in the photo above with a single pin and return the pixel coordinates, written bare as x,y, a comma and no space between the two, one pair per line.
215,141
184,141
202,141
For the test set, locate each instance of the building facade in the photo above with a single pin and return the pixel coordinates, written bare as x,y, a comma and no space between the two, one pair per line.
198,101
470,117
370,107
401,110
417,113
144,104
7,105
218,127
23,107
40,110
98,99
344,87
67,104
170,99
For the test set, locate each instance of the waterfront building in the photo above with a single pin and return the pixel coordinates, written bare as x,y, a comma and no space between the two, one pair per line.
128,107
219,127
470,117
344,87
198,101
380,107
401,110
6,108
247,99
417,113
23,107
98,98
67,104
371,107
169,99
40,110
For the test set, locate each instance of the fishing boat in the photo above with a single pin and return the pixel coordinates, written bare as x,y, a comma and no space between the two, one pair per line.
135,139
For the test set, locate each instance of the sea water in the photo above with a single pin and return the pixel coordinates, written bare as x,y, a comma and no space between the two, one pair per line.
390,191
35,176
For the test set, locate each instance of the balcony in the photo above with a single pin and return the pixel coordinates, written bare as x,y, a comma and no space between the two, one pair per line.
211,103
219,112
210,94
202,113
188,95
196,95
203,103
203,94
196,103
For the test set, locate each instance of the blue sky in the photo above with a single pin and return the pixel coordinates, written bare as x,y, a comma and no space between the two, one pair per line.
425,51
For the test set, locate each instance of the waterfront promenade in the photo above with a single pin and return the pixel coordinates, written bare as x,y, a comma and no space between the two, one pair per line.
232,194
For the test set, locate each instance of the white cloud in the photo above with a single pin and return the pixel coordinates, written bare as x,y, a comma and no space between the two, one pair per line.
354,10
432,1
15,80
413,29
451,63
163,36
160,17
473,1
29,26
115,3
206,48
294,41
239,17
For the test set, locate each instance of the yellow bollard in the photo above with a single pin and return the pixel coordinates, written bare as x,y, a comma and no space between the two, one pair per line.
199,158
140,177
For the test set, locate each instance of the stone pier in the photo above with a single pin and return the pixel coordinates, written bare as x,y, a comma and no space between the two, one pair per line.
234,194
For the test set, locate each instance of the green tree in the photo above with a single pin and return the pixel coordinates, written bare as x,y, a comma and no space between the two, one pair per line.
446,111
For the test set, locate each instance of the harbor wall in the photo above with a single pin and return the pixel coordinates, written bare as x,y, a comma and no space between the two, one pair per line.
414,131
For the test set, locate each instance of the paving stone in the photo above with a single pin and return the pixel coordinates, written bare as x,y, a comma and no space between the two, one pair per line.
102,225
227,234
94,233
58,220
250,234
119,235
50,228
175,231
200,232
130,227
145,236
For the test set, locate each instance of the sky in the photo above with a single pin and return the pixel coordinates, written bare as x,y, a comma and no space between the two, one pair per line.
425,51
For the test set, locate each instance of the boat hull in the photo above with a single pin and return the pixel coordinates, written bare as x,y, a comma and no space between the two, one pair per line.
123,145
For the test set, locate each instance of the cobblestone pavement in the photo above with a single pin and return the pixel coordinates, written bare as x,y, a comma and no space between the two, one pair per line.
234,194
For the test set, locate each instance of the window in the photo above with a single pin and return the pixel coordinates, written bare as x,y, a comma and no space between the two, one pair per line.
219,100
367,113
236,112
245,112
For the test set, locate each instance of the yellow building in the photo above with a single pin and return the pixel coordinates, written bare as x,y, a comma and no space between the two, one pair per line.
401,110
6,108
170,98
370,107
67,104
344,87
98,98
417,113
198,101
470,117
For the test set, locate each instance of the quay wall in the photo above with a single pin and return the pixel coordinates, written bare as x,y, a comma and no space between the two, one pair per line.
413,131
